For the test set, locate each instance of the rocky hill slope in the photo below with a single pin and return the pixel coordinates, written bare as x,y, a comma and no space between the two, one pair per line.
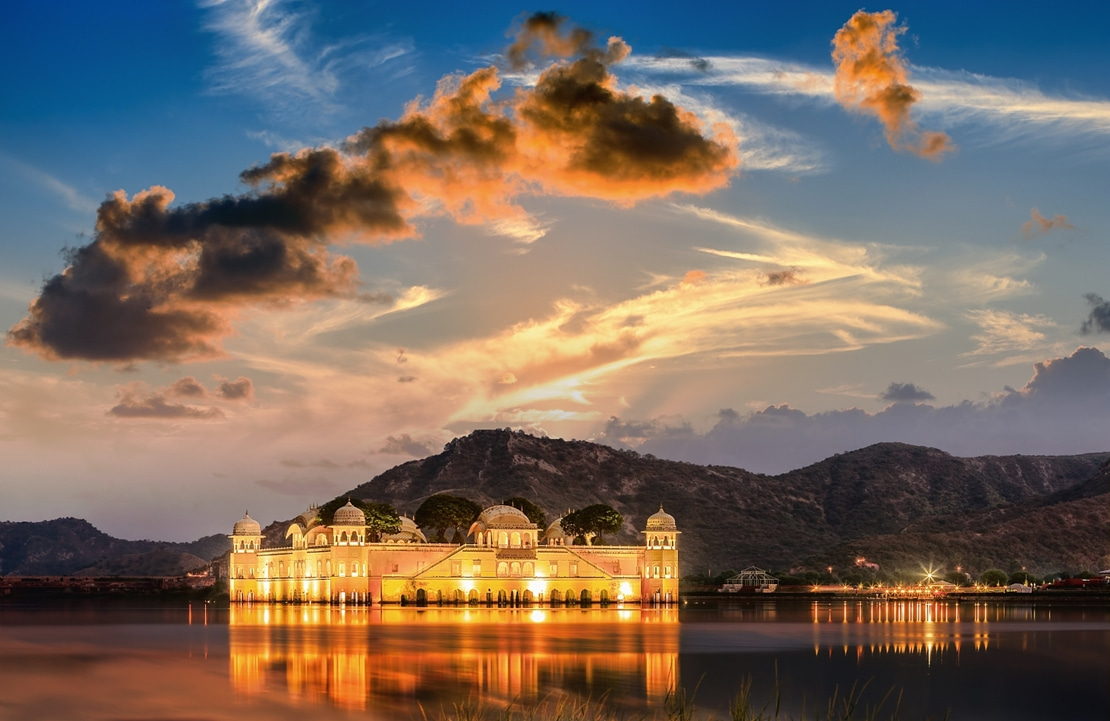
892,501
69,546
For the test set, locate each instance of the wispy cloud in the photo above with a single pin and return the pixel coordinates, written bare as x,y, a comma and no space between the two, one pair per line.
266,49
1006,333
1012,109
73,198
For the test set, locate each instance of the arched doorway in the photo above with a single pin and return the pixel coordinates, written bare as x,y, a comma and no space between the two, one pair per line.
472,597
585,598
604,597
421,597
527,597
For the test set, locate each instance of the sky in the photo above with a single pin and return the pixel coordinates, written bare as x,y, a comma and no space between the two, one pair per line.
253,253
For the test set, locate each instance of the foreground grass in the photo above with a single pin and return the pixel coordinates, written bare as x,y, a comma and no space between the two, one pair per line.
680,707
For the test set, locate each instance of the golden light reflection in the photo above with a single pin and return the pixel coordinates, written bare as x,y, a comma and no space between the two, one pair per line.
910,626
389,659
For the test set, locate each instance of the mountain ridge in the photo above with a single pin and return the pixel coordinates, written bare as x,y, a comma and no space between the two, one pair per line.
732,517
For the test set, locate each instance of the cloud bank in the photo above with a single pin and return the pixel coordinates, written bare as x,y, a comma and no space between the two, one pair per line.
1064,408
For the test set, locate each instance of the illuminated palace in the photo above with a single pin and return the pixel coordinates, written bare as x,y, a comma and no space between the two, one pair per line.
506,560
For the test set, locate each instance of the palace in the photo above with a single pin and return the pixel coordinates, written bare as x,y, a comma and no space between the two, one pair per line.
506,560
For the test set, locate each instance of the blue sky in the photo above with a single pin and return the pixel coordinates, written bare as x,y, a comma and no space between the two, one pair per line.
815,291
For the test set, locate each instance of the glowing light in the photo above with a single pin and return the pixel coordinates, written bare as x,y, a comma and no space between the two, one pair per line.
538,616
625,590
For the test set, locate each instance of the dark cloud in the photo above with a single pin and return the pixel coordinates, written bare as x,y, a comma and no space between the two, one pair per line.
164,282
404,445
1063,409
545,35
133,404
1037,223
406,379
1098,321
187,387
1085,374
899,392
697,63
871,78
783,277
240,389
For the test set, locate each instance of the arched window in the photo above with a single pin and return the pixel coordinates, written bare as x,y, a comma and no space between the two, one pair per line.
329,567
527,540
503,540
528,570
240,572
514,569
342,569
502,569
515,540
251,572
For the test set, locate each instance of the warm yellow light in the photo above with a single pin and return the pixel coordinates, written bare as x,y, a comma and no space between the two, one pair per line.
538,616
625,589
537,586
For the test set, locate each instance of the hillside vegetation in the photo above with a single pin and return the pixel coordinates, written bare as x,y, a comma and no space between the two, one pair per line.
69,546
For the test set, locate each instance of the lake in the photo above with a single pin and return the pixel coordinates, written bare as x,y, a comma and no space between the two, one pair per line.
927,658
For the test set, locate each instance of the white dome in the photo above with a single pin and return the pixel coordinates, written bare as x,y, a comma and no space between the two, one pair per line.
247,526
409,531
555,531
504,517
661,521
500,517
349,515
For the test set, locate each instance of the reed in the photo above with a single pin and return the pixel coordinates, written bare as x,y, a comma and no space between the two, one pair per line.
680,706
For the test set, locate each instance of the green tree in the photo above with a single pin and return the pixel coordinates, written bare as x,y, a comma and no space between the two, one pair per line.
443,511
592,521
381,518
994,577
957,577
535,513
1026,578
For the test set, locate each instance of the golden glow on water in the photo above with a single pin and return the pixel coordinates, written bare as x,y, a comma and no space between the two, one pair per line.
393,658
913,626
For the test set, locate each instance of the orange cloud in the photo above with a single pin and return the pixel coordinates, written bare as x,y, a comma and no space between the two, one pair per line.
1038,224
166,283
871,78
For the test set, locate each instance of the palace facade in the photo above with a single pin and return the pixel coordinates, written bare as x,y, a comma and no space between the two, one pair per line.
506,560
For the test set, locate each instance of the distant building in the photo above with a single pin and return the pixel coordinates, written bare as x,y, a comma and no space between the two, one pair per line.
750,580
506,561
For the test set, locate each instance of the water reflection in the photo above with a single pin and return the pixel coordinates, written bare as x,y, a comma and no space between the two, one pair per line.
391,659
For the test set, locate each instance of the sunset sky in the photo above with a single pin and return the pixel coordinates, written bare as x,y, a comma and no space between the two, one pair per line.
254,253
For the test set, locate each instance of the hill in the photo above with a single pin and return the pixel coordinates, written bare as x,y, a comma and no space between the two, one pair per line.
66,546
892,501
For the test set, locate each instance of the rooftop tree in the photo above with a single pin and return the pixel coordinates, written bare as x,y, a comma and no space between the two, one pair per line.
535,513
443,511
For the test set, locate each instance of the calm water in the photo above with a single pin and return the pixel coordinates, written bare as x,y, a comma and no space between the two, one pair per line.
974,661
